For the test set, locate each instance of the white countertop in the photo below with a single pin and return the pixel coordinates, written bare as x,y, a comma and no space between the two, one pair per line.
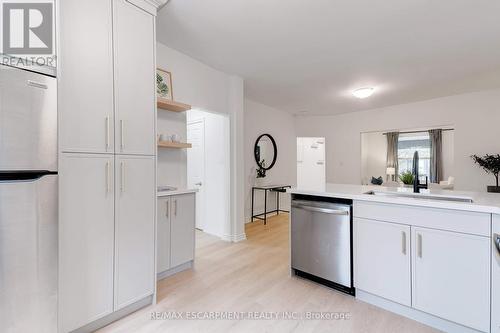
482,201
176,192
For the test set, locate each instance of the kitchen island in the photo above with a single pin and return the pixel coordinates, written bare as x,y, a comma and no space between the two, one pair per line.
427,256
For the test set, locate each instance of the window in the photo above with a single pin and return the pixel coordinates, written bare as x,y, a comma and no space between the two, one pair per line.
407,145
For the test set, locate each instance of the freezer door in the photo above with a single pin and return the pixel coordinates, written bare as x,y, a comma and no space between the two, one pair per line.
28,255
28,120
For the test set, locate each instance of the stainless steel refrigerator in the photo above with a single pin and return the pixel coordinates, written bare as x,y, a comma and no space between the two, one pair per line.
28,201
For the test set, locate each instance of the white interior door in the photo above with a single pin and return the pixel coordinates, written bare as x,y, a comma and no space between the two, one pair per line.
311,164
196,166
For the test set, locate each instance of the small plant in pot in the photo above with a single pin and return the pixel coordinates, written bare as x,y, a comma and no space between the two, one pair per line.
490,164
406,177
261,171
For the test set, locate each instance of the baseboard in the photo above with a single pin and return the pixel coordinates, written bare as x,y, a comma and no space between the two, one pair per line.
100,323
175,270
405,311
234,238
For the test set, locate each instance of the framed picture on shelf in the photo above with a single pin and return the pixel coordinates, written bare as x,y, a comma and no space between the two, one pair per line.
164,84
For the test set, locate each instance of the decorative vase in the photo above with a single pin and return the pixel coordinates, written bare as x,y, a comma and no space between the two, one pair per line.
260,181
494,189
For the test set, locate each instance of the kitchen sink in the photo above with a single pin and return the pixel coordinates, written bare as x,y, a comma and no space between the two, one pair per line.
423,196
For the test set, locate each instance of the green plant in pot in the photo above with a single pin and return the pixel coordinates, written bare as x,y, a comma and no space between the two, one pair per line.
261,171
490,164
406,177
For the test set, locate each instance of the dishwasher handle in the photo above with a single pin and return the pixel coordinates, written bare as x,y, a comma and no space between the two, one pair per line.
496,239
322,210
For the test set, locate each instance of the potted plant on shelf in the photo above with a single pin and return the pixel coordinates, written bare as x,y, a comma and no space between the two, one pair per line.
490,164
406,177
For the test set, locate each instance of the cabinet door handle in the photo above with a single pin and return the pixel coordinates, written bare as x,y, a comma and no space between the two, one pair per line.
175,207
403,242
122,174
108,177
122,135
107,134
167,206
419,245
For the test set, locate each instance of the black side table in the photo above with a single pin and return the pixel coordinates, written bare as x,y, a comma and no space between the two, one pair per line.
271,188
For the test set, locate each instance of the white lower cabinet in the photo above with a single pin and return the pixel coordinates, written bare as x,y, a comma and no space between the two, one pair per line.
182,229
176,230
163,234
451,276
134,229
107,220
86,239
382,259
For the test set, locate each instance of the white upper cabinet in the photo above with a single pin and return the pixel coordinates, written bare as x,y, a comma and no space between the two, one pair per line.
135,99
182,229
134,229
86,235
451,276
382,259
85,76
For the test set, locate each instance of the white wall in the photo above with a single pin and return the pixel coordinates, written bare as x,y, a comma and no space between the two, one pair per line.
475,117
373,156
216,184
208,89
262,119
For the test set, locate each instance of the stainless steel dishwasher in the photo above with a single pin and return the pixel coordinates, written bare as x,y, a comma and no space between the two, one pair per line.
321,242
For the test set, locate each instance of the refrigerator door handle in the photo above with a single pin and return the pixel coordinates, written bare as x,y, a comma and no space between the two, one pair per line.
37,84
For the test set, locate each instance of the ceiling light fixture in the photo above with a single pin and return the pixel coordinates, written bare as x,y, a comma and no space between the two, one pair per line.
363,92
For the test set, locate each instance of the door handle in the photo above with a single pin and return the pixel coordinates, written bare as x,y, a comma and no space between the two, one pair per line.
496,239
199,184
322,210
122,174
320,163
167,206
122,135
403,242
37,84
107,134
419,245
108,177
175,207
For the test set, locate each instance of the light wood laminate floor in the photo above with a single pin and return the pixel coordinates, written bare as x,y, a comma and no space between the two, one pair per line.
253,275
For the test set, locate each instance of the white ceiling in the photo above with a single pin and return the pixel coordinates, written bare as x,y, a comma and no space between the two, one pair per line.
307,55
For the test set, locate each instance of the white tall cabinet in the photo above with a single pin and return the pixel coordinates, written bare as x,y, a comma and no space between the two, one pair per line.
85,76
107,126
86,236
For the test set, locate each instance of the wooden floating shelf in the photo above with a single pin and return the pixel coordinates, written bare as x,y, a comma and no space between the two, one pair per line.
168,105
176,145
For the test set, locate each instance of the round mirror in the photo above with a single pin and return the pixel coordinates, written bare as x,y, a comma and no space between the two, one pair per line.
265,151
